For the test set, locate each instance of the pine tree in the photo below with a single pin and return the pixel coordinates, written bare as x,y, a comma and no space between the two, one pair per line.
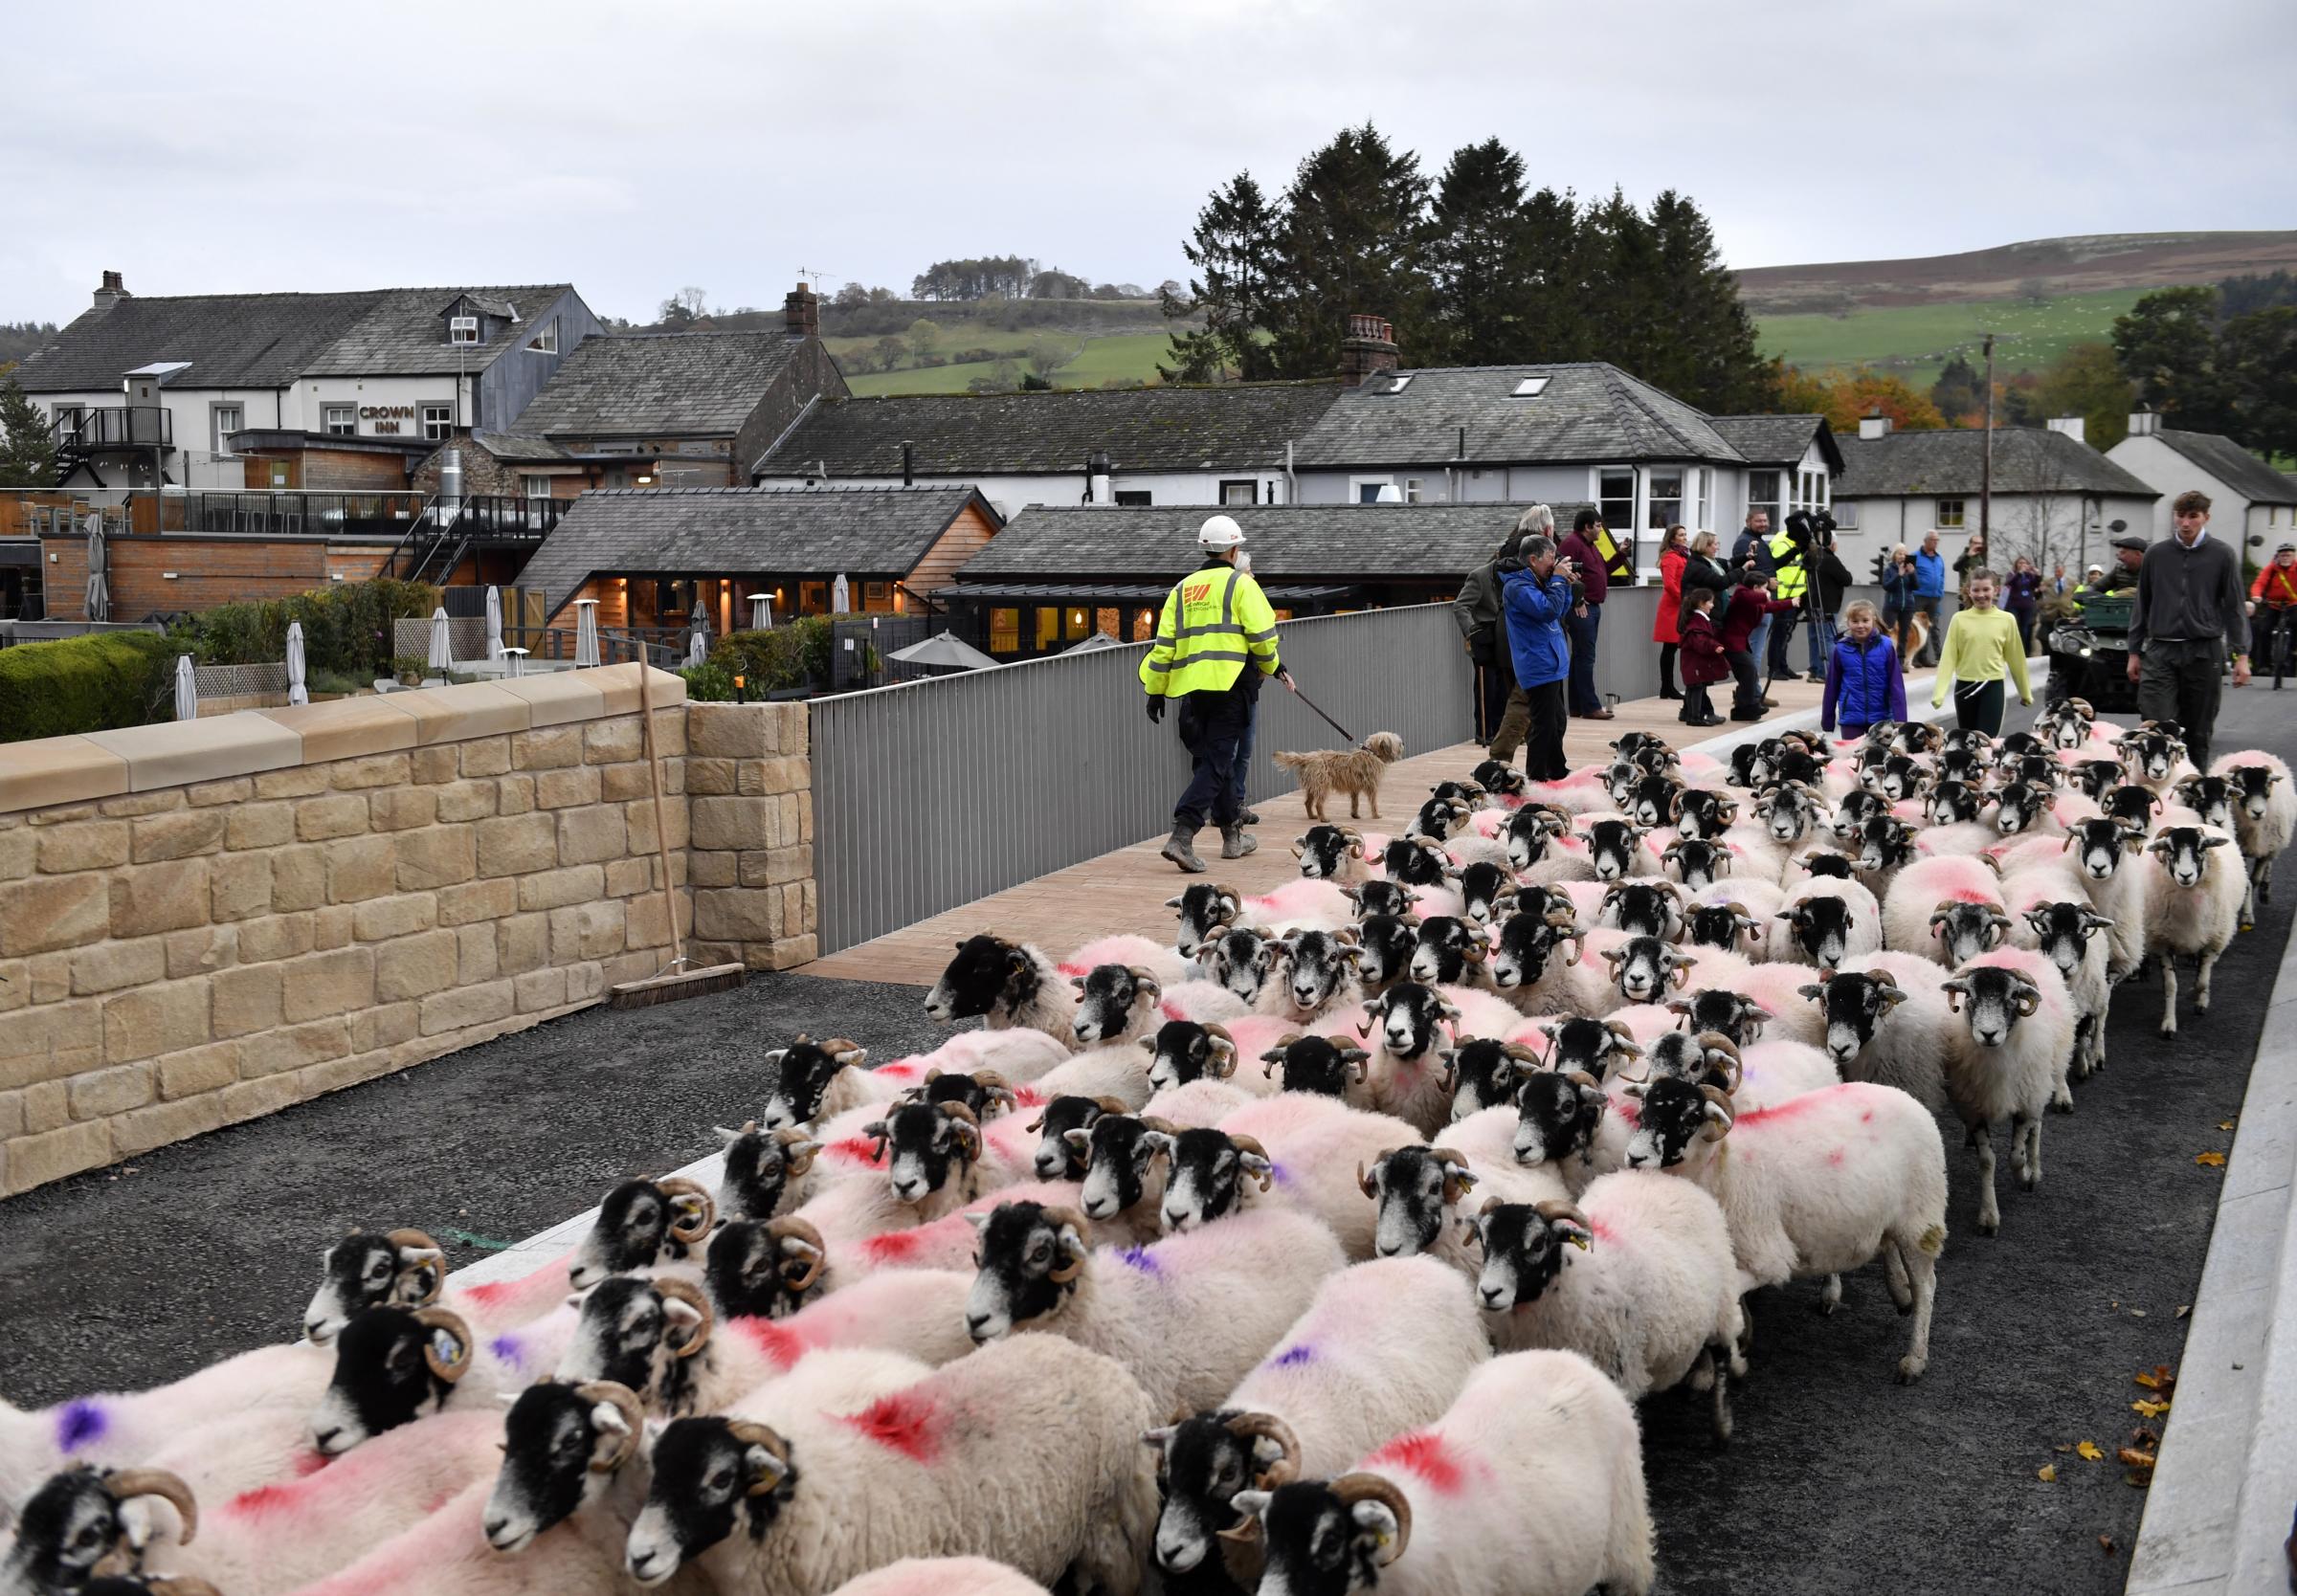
1625,319
2168,346
1960,393
1707,354
1235,247
1479,261
27,447
1353,240
1555,315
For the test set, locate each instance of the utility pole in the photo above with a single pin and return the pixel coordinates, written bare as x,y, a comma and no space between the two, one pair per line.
1986,470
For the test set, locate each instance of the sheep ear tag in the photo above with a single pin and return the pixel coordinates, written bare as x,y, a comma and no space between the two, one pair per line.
1578,1240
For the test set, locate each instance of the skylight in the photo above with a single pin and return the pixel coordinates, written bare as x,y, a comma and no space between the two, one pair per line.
1398,385
1529,388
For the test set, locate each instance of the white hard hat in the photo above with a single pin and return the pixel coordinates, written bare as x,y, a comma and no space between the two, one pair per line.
1220,532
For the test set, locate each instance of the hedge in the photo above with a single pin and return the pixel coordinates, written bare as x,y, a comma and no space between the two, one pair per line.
346,630
793,655
84,684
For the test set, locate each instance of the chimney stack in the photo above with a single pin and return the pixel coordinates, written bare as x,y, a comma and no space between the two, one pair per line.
908,464
2144,424
801,313
111,293
1096,478
1368,350
1875,426
2072,425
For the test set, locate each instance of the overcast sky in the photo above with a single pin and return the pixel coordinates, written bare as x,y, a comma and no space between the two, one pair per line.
632,149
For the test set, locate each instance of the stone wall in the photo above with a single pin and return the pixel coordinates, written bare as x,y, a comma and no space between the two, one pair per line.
205,923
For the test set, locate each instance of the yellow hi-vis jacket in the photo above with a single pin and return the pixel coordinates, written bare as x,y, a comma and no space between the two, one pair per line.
1214,620
1791,577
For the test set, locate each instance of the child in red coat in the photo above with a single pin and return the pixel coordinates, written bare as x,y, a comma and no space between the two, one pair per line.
1702,657
1749,601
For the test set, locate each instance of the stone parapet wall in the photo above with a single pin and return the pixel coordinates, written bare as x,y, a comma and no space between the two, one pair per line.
205,923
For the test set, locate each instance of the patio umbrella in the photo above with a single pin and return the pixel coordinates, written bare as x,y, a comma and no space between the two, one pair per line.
944,651
186,689
841,596
586,632
296,692
1091,645
761,611
443,649
494,623
100,598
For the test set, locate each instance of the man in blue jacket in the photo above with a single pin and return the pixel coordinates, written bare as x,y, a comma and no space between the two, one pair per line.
1537,591
1929,588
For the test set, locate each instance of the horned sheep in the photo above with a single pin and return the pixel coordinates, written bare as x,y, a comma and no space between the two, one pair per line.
2005,1059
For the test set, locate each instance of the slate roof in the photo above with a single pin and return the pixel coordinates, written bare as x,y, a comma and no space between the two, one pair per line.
1778,440
681,384
519,446
1288,541
1590,413
2234,466
2027,460
1239,425
733,531
266,340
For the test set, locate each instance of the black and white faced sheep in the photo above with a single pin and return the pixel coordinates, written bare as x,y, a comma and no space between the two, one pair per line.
1122,1164
1952,803
930,1148
1326,1066
1655,801
1181,1050
644,1335
1727,927
562,1446
641,1223
1392,899
1318,966
1705,814
2152,753
1113,1002
1597,1046
367,1270
1500,778
765,1171
1854,809
1206,909
1440,819
799,1077
1616,848
1487,890
391,1366
1416,862
764,1269
1327,852
1056,1158
2021,807
1386,943
1643,909
1449,952
2094,778
1558,1113
1241,962
1727,1014
1486,1072
1901,776
1643,968
1007,985
1697,863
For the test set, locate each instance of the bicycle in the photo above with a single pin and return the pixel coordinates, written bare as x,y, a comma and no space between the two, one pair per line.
2278,621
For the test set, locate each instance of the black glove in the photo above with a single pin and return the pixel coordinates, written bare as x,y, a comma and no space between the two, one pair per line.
1156,708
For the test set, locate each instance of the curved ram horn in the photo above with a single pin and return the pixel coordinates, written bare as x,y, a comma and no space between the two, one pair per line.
686,1292
454,1324
790,1228
419,1241
127,1484
1253,1427
751,1433
674,1186
625,1401
1719,1114
1061,1273
1370,1186
1351,1489
795,1163
1252,1144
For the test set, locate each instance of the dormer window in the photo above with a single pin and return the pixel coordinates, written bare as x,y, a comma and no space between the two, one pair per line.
462,329
1529,388
546,342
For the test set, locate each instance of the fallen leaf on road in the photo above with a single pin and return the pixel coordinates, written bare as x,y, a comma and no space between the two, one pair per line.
2224,1125
2150,1409
2047,1474
2215,1161
2134,1459
2184,1308
2160,1380
2088,1452
2065,1448
2106,1544
2137,1312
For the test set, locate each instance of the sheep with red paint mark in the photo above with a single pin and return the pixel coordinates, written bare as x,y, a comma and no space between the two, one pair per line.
942,1576
1768,1002
1441,1512
1161,959
1297,1152
1028,1453
1817,1186
1947,909
933,1159
1638,1276
1116,1005
1382,1350
2263,816
1538,964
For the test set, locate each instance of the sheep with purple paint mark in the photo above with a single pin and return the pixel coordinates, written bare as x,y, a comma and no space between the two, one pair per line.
1298,1151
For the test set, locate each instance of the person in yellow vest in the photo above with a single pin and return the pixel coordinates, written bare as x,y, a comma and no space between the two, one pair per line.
1793,580
1216,624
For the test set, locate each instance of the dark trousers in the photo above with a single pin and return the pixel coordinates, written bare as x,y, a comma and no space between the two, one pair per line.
1583,630
2025,630
1695,704
1748,701
1783,642
2180,682
1212,728
1493,684
1978,706
1543,750
1822,640
1666,668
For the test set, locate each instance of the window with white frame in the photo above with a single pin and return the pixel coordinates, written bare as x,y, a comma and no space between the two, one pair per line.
462,329
546,342
1366,490
535,486
1663,503
1698,497
340,419
439,420
1245,491
1411,490
1763,491
1614,496
224,421
1950,515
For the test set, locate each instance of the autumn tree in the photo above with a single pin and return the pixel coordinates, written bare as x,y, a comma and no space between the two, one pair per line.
2087,381
1846,397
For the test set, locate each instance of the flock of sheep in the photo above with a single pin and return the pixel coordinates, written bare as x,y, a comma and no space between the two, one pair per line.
1352,1223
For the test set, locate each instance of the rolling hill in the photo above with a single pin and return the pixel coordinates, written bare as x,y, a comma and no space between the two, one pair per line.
2057,266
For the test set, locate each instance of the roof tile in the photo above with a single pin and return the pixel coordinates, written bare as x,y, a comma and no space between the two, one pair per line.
1586,412
2027,460
681,384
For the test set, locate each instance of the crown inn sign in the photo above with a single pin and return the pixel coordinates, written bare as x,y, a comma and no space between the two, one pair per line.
386,419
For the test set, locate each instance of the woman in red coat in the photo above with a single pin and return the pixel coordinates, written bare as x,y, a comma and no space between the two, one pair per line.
1666,625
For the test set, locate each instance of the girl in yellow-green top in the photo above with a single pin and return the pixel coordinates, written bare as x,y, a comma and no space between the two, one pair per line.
1981,648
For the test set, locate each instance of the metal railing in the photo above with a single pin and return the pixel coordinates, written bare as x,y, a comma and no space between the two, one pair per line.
115,427
933,794
273,512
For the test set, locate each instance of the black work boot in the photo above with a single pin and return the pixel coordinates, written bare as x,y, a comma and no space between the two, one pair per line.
1236,841
1181,848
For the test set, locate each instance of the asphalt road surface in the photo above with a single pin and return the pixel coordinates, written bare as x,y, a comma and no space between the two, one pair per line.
1837,1477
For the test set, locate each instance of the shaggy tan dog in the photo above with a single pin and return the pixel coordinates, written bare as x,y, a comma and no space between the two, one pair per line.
1355,772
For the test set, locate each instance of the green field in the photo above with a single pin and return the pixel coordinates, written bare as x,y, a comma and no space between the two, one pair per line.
1915,341
1125,357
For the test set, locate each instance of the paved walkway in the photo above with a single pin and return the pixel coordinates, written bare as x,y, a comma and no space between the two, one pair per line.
1125,892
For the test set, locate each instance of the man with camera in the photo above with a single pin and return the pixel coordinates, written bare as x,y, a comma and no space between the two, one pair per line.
1812,575
1538,587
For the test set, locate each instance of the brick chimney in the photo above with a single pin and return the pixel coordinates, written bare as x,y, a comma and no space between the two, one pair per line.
111,293
1368,350
801,313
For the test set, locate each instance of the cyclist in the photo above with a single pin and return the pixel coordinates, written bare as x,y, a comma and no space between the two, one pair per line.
2273,599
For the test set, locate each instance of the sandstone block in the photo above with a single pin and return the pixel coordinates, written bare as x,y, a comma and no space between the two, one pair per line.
293,1047
19,851
15,986
146,1128
384,1026
522,944
402,808
332,926
793,951
477,900
539,989
585,982
563,789
415,966
37,1159
240,886
620,783
274,936
157,898
152,1020
468,1006
246,999
106,966
435,856
477,960
553,888
487,756
514,793
259,826
730,823
57,813
629,966
713,778
298,878
178,836
202,950
114,1091
586,931
197,1070
546,747
645,923
323,983
712,869
382,917
612,741
90,845
591,836
626,877
512,845
346,775
231,789
47,1106
727,731
337,814
737,916
41,913
361,868
254,1099
639,818
12,1115
459,801
160,802
336,1073
300,781
432,766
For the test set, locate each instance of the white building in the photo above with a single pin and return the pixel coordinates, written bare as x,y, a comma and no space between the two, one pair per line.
2244,492
149,392
2056,501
